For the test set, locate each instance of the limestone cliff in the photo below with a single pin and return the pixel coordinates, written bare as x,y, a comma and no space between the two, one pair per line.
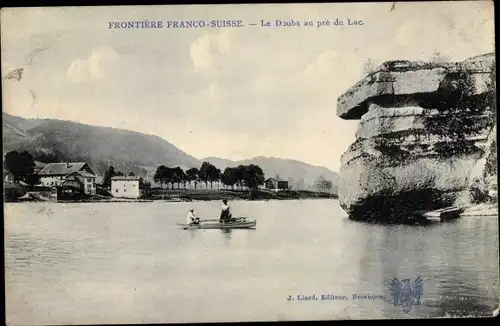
423,128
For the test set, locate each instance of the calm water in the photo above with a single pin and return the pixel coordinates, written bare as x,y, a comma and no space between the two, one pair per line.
128,263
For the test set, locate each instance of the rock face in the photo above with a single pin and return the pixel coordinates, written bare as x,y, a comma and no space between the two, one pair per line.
423,128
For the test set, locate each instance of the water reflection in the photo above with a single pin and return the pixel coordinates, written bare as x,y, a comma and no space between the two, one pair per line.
192,233
446,256
227,233
464,291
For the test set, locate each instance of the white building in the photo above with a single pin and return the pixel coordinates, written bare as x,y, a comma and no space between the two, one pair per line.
125,187
54,174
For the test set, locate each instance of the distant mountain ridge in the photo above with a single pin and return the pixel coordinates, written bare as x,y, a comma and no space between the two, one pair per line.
100,146
299,174
130,151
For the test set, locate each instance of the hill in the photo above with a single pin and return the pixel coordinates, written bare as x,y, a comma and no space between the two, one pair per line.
300,175
49,139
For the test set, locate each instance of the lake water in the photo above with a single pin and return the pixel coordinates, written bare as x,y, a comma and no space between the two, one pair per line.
128,263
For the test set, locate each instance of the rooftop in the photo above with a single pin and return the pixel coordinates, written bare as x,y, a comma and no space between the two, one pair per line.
277,179
72,178
125,177
62,168
84,174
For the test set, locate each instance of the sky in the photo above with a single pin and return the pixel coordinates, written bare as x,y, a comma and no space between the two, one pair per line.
234,93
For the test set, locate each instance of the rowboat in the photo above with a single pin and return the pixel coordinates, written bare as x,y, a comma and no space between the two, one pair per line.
239,224
445,214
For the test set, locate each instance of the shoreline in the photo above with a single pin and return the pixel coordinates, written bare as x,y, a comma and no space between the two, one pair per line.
181,195
481,210
147,201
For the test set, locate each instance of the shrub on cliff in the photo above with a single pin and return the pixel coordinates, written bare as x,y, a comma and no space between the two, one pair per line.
438,57
369,67
492,93
491,166
478,192
461,115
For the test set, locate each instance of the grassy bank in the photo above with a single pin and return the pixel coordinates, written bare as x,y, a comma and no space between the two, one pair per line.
259,194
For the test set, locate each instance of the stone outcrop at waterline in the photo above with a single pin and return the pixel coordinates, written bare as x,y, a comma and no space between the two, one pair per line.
423,127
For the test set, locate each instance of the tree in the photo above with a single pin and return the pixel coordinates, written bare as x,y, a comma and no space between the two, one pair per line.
251,176
323,185
208,173
120,174
220,178
301,184
240,172
47,157
20,165
131,174
178,176
32,179
328,185
229,177
192,175
213,175
478,191
319,183
162,175
145,186
106,180
203,173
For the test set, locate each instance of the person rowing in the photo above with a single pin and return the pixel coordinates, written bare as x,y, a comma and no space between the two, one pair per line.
225,215
191,218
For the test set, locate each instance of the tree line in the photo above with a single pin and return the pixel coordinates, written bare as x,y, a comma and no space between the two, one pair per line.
323,185
21,166
250,176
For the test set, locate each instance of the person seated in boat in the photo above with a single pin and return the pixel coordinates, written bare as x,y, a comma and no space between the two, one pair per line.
225,215
191,218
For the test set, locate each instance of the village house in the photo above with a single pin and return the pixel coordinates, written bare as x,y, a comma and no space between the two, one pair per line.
38,167
71,188
9,177
126,187
276,184
78,176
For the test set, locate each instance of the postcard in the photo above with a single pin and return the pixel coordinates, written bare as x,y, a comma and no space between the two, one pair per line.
250,162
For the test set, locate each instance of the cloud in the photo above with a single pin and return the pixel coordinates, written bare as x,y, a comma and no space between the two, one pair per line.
77,70
206,50
98,65
213,91
323,65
